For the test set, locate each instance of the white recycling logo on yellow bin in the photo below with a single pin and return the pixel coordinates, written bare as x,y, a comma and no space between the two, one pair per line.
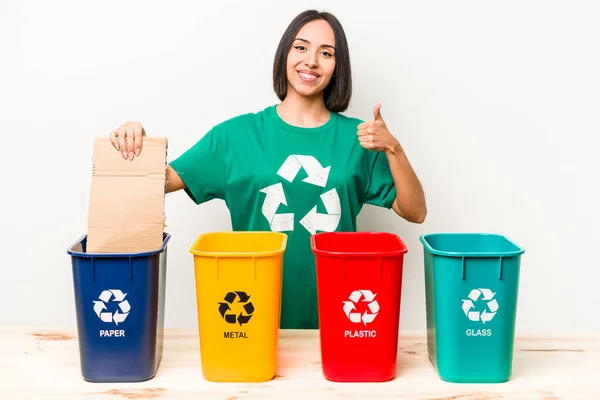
350,307
491,306
116,296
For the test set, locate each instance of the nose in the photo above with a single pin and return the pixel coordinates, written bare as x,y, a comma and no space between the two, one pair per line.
311,60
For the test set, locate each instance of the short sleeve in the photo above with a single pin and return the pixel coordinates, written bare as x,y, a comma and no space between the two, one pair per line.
381,190
202,168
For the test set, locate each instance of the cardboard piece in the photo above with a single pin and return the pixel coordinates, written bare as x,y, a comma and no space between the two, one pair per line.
127,197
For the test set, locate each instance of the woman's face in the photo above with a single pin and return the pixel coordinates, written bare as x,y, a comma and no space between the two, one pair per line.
311,59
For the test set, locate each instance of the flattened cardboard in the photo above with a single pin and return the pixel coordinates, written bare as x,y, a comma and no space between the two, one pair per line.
127,197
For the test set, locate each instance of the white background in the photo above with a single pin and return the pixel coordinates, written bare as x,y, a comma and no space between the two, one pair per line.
496,104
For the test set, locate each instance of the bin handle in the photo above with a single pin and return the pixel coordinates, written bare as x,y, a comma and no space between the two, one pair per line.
380,268
130,269
216,258
499,267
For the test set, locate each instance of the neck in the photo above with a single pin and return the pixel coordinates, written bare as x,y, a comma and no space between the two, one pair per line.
307,112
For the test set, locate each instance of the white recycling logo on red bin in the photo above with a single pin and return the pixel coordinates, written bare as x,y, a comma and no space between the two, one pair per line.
123,305
491,305
367,316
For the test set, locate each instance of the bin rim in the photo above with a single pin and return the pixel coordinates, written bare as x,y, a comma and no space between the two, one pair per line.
255,254
71,252
424,241
392,253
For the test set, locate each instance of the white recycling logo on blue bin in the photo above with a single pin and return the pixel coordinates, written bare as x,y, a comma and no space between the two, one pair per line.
491,305
123,305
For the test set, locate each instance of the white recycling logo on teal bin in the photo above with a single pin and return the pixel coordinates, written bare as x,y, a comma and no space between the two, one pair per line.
117,296
350,307
491,305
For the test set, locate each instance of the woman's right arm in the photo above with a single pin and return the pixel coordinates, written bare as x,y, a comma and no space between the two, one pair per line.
128,139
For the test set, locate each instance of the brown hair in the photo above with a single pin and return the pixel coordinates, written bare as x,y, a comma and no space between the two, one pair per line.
338,92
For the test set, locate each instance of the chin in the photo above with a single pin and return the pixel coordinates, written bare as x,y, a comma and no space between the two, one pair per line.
306,90
309,93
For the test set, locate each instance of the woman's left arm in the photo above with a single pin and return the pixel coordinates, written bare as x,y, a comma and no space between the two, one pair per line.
410,199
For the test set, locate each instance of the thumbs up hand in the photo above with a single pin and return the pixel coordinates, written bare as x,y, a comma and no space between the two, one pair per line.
374,134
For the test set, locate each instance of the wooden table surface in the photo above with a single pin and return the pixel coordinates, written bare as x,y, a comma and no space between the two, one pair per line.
44,364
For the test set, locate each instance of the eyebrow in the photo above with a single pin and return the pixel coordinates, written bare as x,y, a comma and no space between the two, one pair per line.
323,45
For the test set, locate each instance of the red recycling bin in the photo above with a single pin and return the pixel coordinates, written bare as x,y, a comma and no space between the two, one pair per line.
359,284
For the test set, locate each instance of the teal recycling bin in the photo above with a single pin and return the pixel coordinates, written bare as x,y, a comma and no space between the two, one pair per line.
471,288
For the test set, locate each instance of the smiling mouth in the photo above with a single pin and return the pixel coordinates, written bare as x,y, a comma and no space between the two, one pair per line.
307,76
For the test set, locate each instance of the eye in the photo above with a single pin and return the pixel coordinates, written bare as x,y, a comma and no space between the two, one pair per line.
327,54
300,47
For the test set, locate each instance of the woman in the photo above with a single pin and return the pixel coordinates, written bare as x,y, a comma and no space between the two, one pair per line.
299,166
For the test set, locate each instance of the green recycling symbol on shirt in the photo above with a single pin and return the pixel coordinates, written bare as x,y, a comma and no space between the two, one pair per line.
312,221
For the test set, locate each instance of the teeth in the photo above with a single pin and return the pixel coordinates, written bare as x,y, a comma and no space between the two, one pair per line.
308,76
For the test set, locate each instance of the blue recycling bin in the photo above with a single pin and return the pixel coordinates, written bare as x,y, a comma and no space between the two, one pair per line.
120,303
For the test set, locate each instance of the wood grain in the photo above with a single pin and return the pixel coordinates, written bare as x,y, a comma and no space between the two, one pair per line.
44,364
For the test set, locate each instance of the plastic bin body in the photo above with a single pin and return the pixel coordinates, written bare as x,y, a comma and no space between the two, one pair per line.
120,301
359,282
238,292
471,284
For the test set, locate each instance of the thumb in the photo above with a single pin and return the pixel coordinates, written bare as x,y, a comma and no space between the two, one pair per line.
377,112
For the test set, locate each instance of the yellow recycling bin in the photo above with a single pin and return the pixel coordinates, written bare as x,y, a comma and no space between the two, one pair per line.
238,293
